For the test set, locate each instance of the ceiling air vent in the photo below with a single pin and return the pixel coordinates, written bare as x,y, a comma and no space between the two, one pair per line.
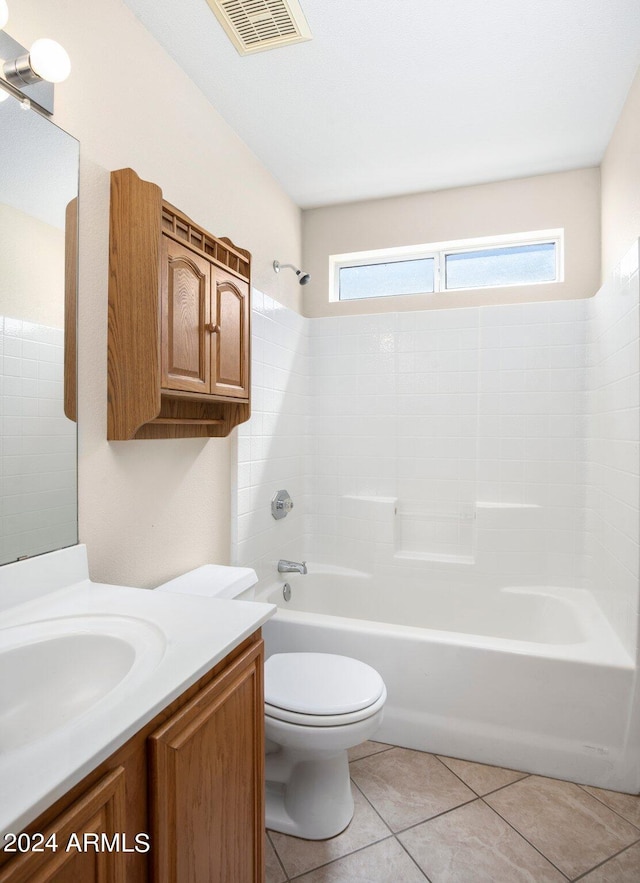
256,25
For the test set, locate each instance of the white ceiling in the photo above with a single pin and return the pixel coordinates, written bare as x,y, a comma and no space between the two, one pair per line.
400,96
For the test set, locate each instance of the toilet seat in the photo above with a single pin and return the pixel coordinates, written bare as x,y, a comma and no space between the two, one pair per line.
324,720
321,689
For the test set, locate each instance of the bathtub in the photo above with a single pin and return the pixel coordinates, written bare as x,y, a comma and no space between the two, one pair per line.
530,678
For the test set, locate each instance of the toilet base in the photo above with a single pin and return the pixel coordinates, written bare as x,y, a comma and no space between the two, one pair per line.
307,795
308,790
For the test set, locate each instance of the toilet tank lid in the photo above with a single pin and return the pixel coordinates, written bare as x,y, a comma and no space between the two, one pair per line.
213,581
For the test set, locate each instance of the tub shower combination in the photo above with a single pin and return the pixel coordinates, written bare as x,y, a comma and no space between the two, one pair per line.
477,469
531,678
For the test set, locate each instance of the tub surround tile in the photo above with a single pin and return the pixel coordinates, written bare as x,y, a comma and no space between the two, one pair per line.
298,856
274,872
626,805
407,787
623,868
386,860
565,823
473,843
480,777
364,749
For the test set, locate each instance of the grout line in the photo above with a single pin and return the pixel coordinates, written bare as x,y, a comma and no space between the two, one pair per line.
611,857
384,822
520,834
412,859
438,815
619,814
339,857
494,790
502,787
349,852
373,754
284,870
453,773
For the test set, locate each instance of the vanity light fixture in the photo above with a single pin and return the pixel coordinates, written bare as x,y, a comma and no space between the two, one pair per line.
29,75
303,278
47,60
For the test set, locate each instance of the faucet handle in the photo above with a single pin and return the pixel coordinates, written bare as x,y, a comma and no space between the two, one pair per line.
281,505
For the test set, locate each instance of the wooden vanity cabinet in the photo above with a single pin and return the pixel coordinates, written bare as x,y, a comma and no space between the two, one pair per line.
211,747
179,342
100,811
192,780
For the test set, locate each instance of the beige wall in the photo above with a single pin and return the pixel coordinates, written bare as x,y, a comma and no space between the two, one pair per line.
621,183
149,510
566,199
31,289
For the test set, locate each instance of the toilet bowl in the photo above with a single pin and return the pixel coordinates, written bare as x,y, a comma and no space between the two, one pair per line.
317,705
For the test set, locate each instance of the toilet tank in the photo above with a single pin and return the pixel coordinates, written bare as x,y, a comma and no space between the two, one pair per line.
213,581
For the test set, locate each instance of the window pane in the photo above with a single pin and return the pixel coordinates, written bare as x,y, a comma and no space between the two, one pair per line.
518,264
384,280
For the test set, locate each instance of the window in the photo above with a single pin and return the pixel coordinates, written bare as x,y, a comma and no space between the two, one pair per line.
493,267
386,279
522,259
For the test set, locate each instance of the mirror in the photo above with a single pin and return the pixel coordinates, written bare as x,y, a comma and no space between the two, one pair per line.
38,235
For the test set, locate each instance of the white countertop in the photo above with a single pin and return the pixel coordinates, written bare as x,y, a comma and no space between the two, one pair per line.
194,633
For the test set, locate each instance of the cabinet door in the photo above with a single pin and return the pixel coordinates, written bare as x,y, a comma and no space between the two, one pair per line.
230,342
100,811
207,782
185,311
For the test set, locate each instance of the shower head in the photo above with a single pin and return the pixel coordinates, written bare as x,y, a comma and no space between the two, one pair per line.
303,278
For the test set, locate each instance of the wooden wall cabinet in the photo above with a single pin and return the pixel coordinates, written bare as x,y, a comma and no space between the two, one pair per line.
179,346
192,780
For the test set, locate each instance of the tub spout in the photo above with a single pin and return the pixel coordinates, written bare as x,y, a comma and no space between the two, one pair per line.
292,566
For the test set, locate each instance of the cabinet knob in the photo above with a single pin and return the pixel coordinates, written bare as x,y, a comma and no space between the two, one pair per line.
214,329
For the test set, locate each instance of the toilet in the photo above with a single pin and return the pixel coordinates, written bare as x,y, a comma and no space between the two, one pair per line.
317,706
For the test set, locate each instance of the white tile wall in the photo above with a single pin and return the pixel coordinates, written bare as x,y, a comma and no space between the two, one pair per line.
443,410
272,446
531,450
613,483
457,442
37,444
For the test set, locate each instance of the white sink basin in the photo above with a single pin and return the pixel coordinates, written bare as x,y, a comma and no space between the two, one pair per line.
52,672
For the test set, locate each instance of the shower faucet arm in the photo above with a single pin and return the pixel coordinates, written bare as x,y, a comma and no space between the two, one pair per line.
292,566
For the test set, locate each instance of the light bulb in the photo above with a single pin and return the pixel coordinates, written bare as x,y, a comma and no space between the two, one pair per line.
4,13
49,60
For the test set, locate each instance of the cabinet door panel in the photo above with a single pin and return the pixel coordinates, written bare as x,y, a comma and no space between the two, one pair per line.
185,293
100,811
230,344
207,772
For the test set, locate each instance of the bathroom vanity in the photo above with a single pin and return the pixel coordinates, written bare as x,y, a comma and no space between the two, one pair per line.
163,770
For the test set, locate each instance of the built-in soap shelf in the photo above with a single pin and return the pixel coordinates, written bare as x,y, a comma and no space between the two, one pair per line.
492,505
428,531
439,532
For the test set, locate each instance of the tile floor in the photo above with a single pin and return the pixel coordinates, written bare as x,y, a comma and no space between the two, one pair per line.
421,817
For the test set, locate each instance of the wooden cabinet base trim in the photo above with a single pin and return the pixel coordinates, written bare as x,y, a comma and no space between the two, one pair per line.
169,421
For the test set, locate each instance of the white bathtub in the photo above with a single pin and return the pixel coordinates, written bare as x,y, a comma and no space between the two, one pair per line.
531,678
